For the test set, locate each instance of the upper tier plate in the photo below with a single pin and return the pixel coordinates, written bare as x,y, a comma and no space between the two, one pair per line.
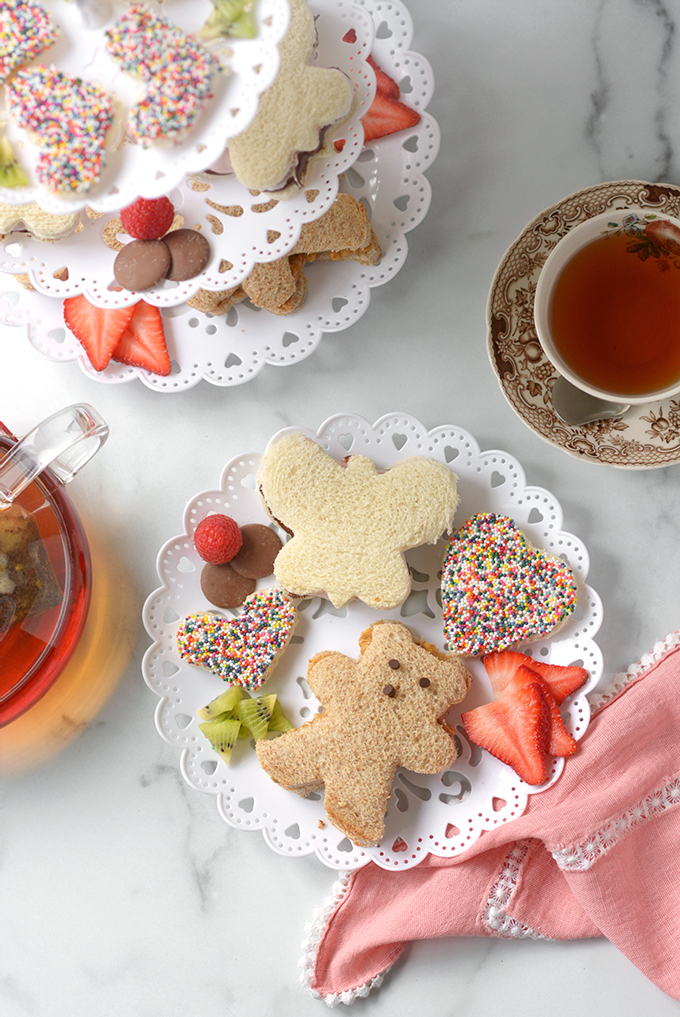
131,170
388,177
243,226
441,814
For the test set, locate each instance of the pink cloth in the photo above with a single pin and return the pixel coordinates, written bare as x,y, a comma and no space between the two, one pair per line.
598,854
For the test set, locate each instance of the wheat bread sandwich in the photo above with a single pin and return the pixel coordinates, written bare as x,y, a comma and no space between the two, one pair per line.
291,126
379,712
343,233
350,523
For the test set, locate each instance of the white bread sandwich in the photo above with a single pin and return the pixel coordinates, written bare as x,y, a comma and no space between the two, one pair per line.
350,523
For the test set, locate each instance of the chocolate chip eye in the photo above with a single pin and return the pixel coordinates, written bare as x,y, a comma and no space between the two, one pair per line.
424,683
394,664
390,691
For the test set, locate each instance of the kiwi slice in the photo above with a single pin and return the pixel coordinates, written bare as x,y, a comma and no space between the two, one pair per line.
231,18
255,714
278,720
222,735
224,704
11,173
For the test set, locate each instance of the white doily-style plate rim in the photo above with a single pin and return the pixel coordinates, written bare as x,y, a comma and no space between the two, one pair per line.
276,823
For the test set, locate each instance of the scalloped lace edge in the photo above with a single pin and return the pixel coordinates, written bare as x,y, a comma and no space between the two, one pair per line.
580,857
620,681
495,918
314,930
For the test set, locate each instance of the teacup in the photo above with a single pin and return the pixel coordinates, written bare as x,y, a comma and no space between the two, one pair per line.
607,306
45,571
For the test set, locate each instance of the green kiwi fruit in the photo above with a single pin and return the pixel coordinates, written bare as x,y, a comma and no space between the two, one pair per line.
278,720
11,173
255,714
222,735
224,704
231,18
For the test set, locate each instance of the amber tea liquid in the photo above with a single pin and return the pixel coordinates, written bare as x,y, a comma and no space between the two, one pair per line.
615,317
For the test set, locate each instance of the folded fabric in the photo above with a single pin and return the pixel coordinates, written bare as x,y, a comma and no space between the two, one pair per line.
576,864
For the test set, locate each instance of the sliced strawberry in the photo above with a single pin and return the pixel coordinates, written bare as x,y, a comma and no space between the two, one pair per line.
514,729
560,742
384,83
97,329
387,116
143,344
562,681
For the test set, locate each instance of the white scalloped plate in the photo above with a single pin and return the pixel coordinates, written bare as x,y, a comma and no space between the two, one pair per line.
132,170
231,350
442,814
237,241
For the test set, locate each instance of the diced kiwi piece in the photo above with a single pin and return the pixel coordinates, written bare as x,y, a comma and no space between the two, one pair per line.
11,173
222,735
225,703
278,720
232,18
255,714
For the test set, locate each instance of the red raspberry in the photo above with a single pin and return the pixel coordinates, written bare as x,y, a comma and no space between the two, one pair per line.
217,539
148,218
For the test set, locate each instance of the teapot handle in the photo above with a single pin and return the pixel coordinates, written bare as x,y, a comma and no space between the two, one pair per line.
65,441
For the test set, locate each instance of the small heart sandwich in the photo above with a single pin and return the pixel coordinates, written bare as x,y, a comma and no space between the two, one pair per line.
350,523
499,591
380,712
294,116
242,650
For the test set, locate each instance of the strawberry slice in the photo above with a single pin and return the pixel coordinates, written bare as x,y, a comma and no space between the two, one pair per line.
560,742
384,83
514,729
387,116
97,329
562,681
143,343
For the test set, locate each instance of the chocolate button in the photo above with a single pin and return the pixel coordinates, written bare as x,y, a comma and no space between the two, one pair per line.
141,264
189,254
258,551
225,588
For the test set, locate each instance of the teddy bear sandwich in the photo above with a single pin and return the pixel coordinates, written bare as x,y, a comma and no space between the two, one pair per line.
380,712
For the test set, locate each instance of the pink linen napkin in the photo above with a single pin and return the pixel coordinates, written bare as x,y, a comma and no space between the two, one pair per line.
597,854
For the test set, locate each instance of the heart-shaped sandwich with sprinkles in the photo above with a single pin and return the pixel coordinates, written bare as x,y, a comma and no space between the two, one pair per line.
498,590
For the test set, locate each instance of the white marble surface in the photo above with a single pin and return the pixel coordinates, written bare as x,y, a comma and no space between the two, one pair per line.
124,892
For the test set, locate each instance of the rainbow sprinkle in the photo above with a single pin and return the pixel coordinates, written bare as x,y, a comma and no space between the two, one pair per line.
497,590
70,118
242,650
25,31
177,70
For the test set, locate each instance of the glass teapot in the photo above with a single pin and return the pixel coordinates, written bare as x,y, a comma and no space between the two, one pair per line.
45,567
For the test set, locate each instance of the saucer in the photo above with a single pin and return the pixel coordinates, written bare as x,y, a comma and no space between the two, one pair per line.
648,435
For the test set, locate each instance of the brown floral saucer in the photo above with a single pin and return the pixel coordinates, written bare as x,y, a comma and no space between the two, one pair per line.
648,435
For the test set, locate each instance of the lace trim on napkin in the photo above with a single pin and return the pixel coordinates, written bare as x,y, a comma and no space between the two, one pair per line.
494,917
579,857
620,681
314,930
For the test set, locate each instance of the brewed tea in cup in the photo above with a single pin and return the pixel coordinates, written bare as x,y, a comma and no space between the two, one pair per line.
607,306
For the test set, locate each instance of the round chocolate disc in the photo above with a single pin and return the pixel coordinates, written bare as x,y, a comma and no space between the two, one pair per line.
258,551
225,588
189,254
141,264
